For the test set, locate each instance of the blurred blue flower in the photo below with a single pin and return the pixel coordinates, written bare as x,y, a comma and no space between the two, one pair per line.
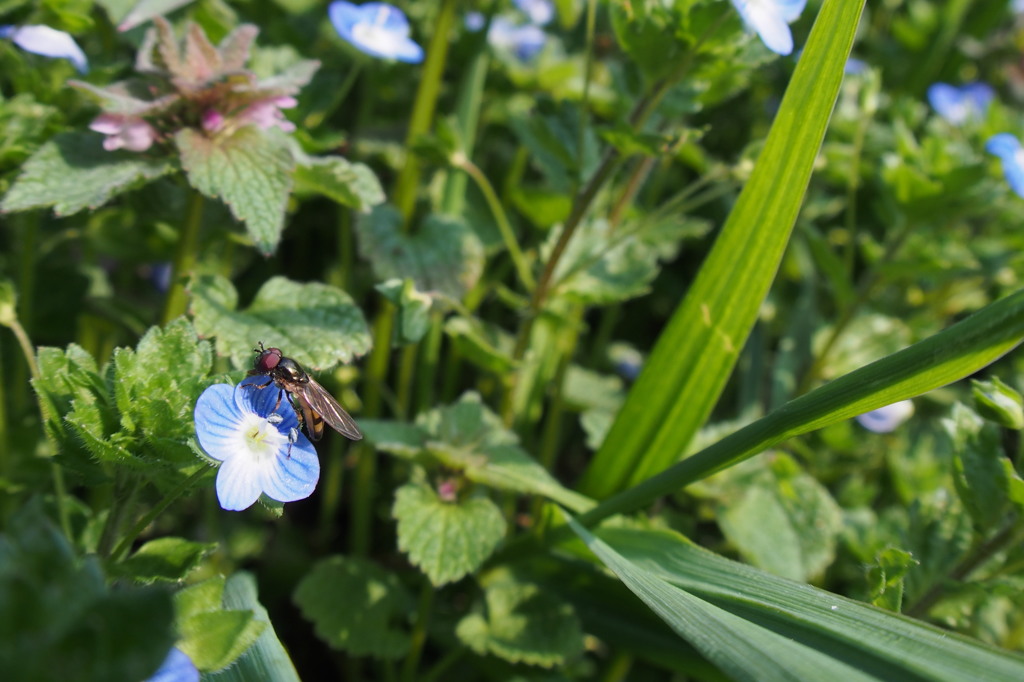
887,419
539,12
958,105
855,67
177,667
376,28
1008,149
48,42
523,41
262,451
770,19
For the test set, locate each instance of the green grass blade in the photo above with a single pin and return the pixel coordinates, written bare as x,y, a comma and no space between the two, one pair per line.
696,353
678,580
941,359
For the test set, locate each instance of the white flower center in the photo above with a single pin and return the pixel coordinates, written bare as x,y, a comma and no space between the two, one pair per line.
260,441
379,37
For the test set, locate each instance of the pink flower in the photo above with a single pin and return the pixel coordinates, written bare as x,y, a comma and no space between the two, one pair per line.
124,132
266,113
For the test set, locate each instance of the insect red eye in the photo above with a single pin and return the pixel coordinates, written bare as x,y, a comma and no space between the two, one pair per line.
268,359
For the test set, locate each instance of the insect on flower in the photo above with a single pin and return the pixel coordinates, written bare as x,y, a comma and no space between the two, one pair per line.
316,404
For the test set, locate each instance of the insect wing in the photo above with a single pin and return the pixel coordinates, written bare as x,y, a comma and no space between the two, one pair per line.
312,419
324,406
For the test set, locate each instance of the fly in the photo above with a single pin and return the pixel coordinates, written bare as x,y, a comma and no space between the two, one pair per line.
318,407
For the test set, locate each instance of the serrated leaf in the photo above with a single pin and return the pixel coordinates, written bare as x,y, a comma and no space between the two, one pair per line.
980,476
886,577
522,623
356,606
163,559
446,540
509,467
349,184
199,598
316,324
466,425
73,172
250,170
442,256
60,620
413,318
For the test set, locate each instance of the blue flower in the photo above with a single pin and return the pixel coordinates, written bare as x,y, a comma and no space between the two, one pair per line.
1008,149
376,28
48,42
177,667
262,450
539,12
523,41
855,67
958,105
887,419
770,19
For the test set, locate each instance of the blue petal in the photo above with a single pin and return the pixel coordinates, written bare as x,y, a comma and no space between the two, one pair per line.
790,10
49,42
980,95
1008,149
264,401
1002,145
766,18
293,477
238,483
177,667
946,101
217,418
539,12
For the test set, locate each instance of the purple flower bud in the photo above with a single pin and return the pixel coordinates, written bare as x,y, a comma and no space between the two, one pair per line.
266,113
212,120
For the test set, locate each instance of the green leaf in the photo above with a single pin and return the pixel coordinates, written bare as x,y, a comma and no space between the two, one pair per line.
251,171
413,317
212,636
61,622
485,345
509,467
442,256
521,622
755,626
695,355
156,385
349,184
446,540
999,403
266,660
781,519
398,438
73,172
980,477
646,32
887,577
316,324
356,606
163,559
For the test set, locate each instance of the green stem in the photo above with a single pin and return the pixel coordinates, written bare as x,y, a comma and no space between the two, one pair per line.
430,353
317,117
441,667
366,462
406,377
467,116
185,257
463,163
404,194
419,633
150,516
330,491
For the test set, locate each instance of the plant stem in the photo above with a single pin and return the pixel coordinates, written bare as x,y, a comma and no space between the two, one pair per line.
419,633
463,163
404,194
126,542
185,257
430,353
